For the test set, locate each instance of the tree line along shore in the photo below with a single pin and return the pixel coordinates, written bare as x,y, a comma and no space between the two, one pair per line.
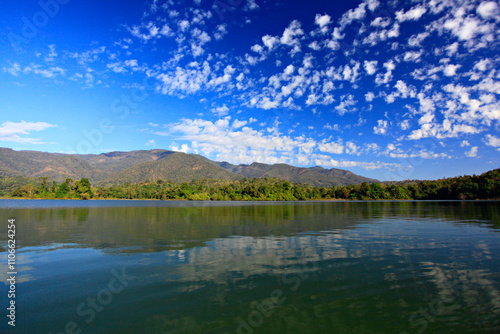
484,186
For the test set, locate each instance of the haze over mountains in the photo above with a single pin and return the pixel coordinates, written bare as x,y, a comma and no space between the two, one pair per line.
141,166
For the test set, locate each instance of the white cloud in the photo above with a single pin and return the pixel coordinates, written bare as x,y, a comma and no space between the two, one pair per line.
467,28
493,141
347,104
189,80
416,40
452,49
483,64
378,36
51,72
381,127
411,15
381,22
14,69
385,78
166,31
91,56
352,15
148,31
289,69
220,141
251,6
116,67
370,66
314,45
291,33
352,148
489,10
238,124
241,146
472,153
184,148
322,20
450,70
220,32
425,154
270,41
221,111
52,53
431,129
404,90
257,48
369,96
372,4
183,25
17,132
150,143
330,127
412,56
334,148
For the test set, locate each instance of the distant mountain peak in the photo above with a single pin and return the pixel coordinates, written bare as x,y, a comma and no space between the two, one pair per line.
147,165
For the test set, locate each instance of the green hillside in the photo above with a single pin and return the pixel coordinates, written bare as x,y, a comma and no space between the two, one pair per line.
113,162
144,165
315,176
176,167
56,166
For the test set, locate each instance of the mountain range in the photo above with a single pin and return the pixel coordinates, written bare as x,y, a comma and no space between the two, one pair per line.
151,165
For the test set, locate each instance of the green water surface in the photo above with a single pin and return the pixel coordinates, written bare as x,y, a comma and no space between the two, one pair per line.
241,267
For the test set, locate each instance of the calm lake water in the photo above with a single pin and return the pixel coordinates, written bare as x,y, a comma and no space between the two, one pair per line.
240,267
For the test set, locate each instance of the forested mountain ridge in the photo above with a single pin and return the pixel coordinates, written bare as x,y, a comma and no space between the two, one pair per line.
115,168
315,176
484,186
177,167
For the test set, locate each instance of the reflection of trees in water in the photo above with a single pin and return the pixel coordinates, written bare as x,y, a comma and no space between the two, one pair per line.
190,224
363,277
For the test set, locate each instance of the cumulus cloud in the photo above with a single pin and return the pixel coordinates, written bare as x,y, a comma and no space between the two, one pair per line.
331,147
369,96
493,141
238,124
450,70
220,32
19,132
411,15
222,141
291,34
270,41
346,104
472,153
404,125
412,56
184,148
353,15
221,111
322,21
381,127
489,10
466,28
370,66
251,6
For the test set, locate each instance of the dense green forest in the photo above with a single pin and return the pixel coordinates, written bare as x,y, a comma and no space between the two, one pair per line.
484,186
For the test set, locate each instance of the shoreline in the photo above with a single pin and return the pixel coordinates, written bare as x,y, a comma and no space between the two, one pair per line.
283,201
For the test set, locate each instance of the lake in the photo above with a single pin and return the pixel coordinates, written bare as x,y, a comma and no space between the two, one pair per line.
252,267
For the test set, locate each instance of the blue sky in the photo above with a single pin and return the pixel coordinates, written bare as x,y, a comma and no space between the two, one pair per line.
391,90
